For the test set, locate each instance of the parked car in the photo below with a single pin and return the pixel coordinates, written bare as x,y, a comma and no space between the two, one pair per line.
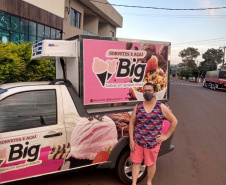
191,80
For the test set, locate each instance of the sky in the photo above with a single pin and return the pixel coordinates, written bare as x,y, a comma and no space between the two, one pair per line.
199,29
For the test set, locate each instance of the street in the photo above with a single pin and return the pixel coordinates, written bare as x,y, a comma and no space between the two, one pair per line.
199,157
200,145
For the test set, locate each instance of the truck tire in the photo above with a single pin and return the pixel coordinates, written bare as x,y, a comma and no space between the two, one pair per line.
211,86
124,169
204,84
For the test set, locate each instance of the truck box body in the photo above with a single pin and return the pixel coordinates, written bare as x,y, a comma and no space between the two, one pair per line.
117,68
62,125
216,76
215,79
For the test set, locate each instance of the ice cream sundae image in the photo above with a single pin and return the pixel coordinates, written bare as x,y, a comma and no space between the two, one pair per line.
122,123
92,138
151,51
155,72
59,151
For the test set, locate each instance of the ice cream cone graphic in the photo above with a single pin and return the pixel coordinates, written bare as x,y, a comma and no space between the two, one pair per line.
2,155
109,76
100,69
102,77
111,68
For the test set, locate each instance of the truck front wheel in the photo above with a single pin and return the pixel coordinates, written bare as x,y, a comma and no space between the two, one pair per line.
124,169
204,84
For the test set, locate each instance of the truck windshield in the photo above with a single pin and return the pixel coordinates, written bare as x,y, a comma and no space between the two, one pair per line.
2,91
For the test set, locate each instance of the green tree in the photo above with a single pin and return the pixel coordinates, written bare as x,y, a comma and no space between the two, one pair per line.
188,58
186,73
206,66
213,56
16,64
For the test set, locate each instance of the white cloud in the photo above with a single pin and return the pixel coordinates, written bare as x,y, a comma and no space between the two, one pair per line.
211,4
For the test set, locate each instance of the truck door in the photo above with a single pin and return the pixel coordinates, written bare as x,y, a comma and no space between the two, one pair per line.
32,133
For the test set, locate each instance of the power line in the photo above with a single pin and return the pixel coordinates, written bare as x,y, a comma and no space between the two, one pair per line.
157,8
201,41
176,16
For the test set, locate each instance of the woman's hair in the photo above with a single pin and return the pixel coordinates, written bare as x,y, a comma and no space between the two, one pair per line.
153,85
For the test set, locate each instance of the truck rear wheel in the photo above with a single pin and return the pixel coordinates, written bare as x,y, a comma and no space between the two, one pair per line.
124,169
212,86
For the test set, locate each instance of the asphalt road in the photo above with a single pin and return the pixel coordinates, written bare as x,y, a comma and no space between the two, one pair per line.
199,157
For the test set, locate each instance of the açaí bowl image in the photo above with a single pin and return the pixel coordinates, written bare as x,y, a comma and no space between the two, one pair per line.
155,75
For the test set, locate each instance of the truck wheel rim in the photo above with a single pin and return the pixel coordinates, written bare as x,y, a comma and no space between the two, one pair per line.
128,169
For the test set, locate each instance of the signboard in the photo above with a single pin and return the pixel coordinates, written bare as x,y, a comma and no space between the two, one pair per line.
116,71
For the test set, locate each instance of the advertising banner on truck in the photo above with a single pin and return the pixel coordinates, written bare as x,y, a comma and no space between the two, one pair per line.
116,71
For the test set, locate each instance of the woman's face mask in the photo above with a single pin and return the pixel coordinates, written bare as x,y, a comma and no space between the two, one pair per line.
148,96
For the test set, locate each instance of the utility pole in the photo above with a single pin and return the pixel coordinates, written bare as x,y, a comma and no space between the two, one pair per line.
224,53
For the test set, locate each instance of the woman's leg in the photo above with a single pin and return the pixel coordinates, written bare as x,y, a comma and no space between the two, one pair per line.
135,172
151,172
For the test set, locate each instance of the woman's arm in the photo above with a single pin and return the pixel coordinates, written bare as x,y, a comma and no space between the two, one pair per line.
173,123
131,129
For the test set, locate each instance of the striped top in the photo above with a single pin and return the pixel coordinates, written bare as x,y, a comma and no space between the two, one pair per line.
148,125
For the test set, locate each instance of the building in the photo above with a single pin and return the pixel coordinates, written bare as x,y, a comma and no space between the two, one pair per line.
174,69
223,67
35,20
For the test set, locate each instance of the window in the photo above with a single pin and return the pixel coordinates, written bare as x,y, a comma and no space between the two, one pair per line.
4,21
41,30
58,34
75,18
23,37
4,36
87,33
112,34
13,29
28,110
32,28
53,33
32,38
47,32
15,24
24,26
14,37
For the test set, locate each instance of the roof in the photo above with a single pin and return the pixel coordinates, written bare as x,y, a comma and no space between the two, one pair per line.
20,84
104,10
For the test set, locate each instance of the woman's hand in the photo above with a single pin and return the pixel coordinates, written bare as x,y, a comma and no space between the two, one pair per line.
132,145
161,138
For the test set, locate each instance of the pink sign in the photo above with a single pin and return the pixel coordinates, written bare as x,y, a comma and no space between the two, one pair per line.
116,71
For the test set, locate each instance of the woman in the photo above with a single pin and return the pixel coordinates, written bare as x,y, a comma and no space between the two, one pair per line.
145,132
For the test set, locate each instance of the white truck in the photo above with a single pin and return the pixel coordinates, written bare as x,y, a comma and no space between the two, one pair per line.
81,118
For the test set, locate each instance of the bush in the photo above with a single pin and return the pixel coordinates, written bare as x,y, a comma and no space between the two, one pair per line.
16,64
